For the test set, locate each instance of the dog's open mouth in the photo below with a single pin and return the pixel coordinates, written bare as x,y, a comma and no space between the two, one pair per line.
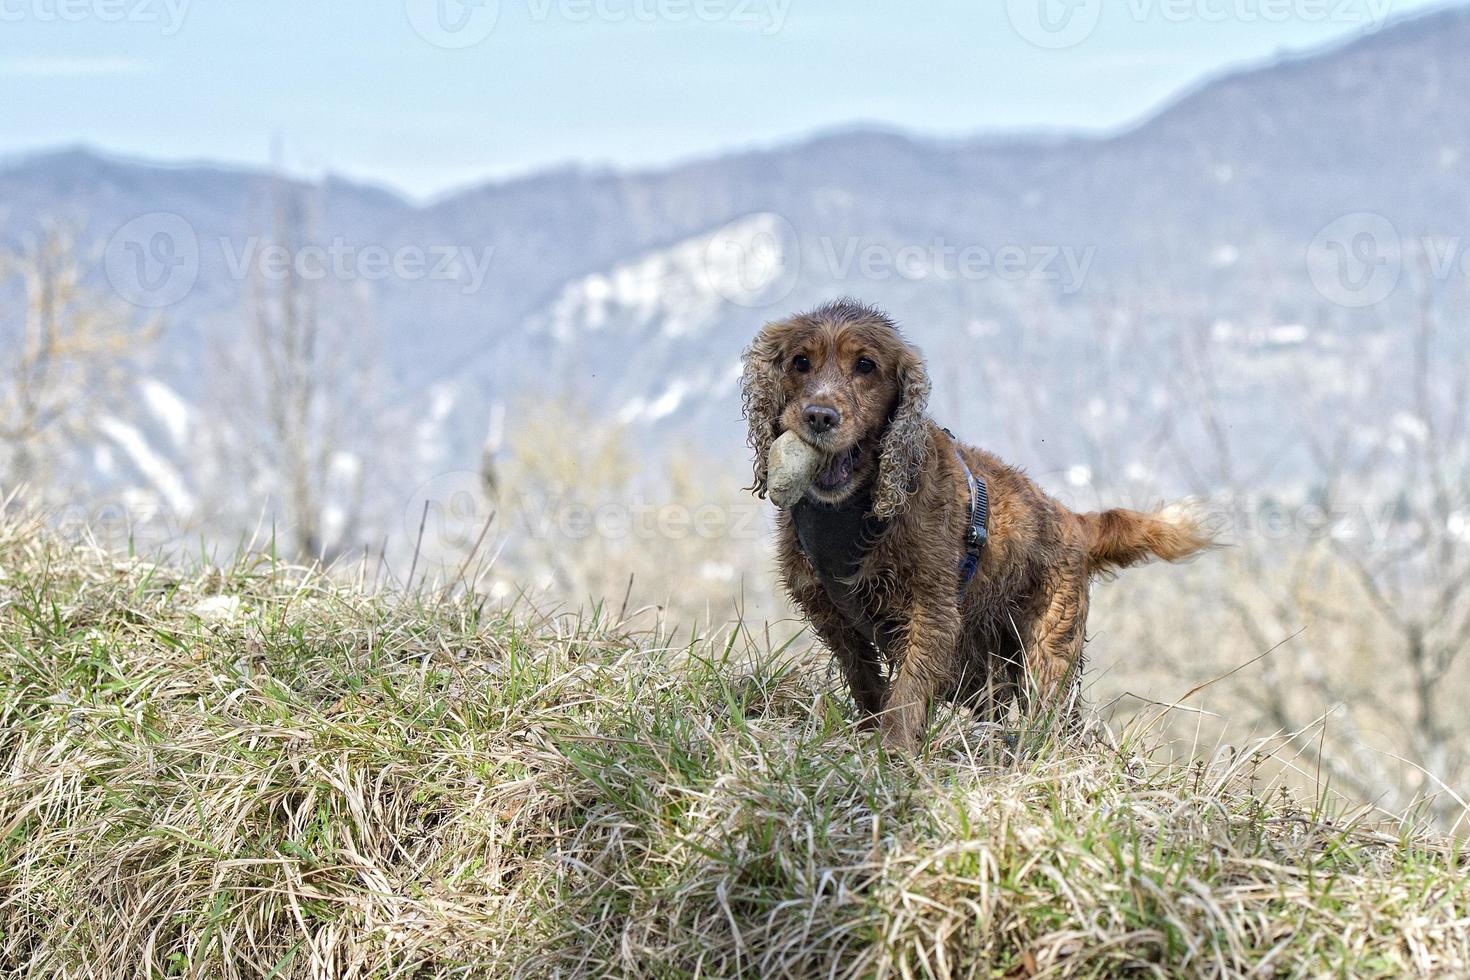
839,469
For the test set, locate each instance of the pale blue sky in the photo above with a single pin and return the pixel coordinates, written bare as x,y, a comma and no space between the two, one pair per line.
354,86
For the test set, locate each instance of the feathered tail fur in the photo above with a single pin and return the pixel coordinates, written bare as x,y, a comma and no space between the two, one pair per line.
1122,538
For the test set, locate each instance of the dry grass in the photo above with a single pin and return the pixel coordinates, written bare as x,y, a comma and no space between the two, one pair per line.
256,772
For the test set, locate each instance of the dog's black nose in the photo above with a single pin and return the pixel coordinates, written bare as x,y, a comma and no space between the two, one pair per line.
820,418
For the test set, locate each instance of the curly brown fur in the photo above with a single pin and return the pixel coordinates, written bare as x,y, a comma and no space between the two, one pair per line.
761,387
871,555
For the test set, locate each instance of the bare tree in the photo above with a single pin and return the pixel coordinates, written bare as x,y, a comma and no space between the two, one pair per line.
303,415
1370,580
69,348
1412,569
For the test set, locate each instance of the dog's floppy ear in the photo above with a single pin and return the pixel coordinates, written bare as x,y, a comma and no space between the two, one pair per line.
760,386
905,444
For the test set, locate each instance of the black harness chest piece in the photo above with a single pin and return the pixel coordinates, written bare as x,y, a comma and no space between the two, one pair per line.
836,539
977,528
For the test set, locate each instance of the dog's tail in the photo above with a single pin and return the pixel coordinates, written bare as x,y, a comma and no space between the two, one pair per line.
1121,538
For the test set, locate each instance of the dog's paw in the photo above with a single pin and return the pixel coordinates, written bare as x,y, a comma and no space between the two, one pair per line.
898,737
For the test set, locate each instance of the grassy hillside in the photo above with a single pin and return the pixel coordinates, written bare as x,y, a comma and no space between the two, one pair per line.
257,772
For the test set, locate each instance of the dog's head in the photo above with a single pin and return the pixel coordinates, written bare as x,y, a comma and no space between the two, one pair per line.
843,379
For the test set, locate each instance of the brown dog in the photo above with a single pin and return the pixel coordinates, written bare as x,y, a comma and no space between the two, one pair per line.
873,553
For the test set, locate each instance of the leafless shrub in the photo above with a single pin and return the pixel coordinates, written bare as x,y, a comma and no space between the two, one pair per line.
69,351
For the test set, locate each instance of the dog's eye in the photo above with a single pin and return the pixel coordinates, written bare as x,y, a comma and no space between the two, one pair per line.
801,363
865,366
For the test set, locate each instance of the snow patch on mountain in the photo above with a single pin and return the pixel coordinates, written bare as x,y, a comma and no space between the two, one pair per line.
160,474
666,403
168,408
681,289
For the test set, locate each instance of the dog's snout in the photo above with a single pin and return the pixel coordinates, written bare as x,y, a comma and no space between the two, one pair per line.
821,418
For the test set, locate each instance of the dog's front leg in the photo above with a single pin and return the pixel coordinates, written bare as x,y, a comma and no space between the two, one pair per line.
854,652
924,669
859,663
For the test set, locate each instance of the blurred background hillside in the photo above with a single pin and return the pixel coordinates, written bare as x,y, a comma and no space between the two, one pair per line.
1252,291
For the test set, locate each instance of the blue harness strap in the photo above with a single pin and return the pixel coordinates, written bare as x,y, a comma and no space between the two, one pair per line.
977,529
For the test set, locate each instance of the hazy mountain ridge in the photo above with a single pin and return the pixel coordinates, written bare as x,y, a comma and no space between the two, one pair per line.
600,284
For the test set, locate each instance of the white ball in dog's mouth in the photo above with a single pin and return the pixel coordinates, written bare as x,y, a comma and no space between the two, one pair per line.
791,467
